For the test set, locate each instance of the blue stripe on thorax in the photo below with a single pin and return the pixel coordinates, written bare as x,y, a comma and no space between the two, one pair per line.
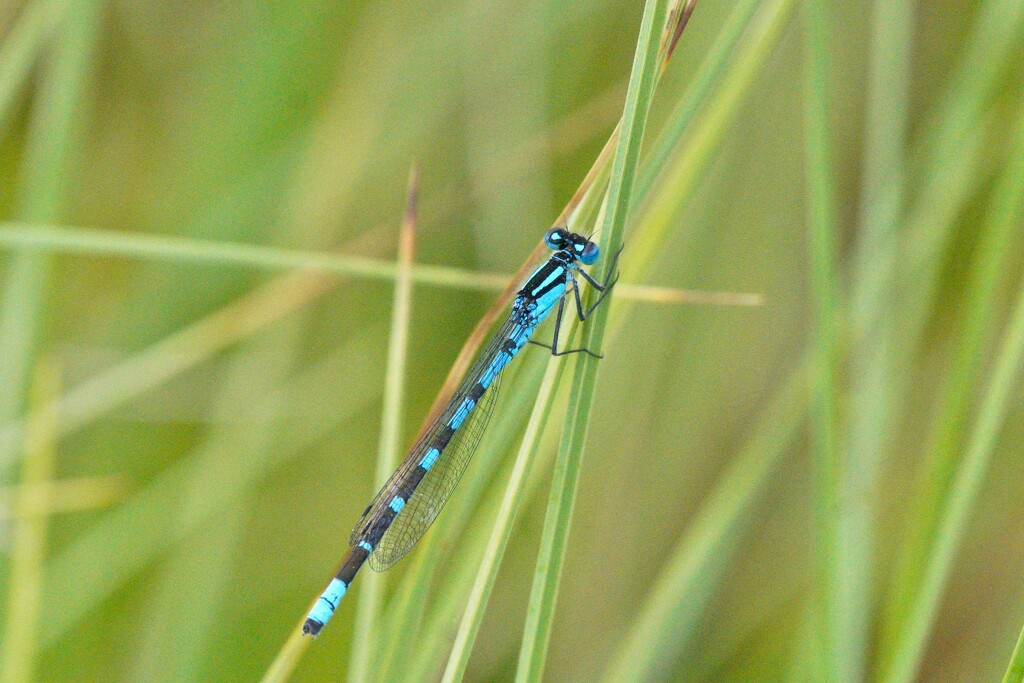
554,275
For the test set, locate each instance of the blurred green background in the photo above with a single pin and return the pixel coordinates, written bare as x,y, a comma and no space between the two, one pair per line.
216,424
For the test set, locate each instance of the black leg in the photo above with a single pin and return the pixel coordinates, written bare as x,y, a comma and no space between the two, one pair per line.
603,288
579,301
594,283
607,288
566,352
558,324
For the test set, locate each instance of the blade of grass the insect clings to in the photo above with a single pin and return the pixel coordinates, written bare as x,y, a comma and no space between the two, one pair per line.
675,184
665,625
829,594
1015,670
371,593
999,239
28,543
540,614
873,384
48,162
20,50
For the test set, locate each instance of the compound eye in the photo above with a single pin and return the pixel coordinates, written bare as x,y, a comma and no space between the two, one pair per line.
555,238
590,254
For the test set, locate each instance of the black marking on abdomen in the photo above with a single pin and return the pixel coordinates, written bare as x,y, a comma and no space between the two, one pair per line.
444,435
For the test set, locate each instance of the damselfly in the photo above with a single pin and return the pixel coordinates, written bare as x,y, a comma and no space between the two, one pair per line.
413,496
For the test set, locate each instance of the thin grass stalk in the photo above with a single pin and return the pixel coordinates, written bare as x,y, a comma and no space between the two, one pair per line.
665,625
388,455
1015,671
830,613
463,546
995,252
95,242
21,49
675,184
502,529
28,544
58,497
143,517
873,384
963,497
48,163
543,597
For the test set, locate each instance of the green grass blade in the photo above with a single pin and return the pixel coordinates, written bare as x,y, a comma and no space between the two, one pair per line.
962,500
665,624
540,615
676,183
20,50
994,258
502,529
873,384
28,546
48,163
371,594
190,250
830,610
1015,671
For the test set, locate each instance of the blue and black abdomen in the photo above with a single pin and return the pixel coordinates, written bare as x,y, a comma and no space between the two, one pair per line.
412,498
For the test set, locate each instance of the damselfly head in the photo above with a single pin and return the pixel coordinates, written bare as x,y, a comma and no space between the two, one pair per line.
579,246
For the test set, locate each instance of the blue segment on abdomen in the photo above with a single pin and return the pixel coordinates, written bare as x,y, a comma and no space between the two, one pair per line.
460,415
328,601
430,458
500,360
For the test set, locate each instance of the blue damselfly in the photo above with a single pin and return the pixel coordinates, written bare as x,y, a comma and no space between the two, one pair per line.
413,496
